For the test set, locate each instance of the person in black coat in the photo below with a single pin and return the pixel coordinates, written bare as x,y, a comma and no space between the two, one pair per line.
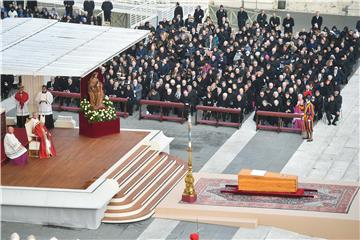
6,83
339,76
287,108
274,21
288,24
89,7
168,97
209,102
220,14
316,21
70,86
332,108
242,17
155,96
275,107
69,8
265,106
185,99
107,6
225,103
194,99
198,15
31,5
53,84
129,93
178,11
337,99
318,102
238,103
262,19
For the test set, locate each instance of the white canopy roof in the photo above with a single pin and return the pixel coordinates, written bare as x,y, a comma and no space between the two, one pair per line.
41,47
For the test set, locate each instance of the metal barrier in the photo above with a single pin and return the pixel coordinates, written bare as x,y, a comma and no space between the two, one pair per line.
279,125
217,111
61,107
160,114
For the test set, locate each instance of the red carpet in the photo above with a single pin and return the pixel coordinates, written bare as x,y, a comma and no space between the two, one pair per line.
329,198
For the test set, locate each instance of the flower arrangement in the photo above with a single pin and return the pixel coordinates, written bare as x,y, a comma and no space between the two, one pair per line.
98,115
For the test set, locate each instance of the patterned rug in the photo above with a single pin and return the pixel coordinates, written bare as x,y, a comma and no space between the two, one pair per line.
329,198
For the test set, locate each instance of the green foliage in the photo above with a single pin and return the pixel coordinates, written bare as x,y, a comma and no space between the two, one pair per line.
98,115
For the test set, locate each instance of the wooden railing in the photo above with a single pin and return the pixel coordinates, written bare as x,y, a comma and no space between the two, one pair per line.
217,113
61,107
262,116
160,114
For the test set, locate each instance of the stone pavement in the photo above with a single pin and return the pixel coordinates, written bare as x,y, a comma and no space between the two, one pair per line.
228,151
265,151
334,153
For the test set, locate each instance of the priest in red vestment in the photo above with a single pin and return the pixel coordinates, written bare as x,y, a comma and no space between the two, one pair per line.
47,148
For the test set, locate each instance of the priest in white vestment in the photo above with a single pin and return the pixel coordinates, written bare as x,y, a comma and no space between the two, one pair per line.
14,149
44,100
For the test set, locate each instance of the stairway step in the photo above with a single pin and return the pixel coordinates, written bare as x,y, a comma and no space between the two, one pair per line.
153,164
141,187
160,182
155,201
131,169
131,158
150,206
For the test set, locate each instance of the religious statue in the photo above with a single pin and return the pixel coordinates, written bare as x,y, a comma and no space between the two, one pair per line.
95,91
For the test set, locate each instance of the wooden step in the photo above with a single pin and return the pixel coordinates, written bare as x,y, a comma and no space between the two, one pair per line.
142,187
131,169
142,149
149,206
149,192
153,164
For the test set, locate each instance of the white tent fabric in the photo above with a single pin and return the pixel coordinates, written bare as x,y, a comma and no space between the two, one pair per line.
50,48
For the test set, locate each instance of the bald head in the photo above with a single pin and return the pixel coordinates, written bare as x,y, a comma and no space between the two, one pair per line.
10,129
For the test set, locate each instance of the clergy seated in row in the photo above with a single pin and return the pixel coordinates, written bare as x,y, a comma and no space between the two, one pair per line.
14,150
39,129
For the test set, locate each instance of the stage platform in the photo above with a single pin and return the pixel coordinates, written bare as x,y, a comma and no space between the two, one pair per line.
75,188
79,162
334,214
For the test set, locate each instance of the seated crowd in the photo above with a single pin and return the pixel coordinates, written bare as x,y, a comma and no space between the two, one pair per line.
258,67
262,66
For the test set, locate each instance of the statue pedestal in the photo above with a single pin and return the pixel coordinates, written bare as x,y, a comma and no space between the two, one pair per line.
98,129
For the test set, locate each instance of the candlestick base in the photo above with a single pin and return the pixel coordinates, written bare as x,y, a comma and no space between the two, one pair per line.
189,198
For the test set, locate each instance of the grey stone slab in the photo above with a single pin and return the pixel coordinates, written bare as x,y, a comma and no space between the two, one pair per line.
105,231
206,231
347,154
320,169
352,174
158,229
337,170
266,150
230,149
277,233
252,233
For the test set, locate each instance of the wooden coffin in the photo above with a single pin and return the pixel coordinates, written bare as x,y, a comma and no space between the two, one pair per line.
263,181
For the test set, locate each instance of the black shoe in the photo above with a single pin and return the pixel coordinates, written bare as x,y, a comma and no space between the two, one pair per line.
334,123
329,123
